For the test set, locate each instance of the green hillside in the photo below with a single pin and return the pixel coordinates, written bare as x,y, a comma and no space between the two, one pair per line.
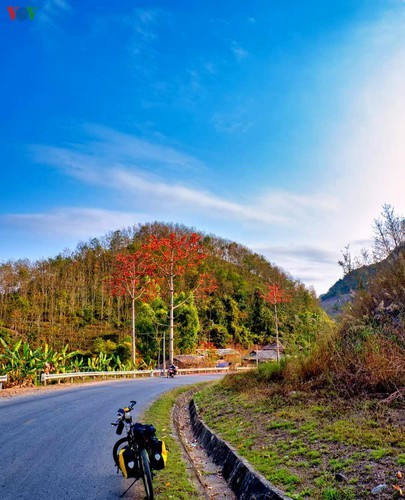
67,299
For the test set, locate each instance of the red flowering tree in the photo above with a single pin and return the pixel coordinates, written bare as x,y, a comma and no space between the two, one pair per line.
132,276
173,256
207,285
275,295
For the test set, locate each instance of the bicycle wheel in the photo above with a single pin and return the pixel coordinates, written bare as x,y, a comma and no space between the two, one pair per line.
116,448
146,474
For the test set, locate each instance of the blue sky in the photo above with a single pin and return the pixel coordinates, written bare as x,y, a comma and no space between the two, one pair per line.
278,124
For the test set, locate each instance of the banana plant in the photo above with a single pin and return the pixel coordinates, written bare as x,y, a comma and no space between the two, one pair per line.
121,365
59,361
76,364
63,357
100,363
20,364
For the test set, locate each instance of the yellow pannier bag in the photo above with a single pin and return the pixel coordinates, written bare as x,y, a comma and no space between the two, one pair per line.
127,462
158,455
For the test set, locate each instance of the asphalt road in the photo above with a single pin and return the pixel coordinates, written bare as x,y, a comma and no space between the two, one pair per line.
57,444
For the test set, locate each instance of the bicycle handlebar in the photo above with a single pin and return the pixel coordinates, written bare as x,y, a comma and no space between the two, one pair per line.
123,411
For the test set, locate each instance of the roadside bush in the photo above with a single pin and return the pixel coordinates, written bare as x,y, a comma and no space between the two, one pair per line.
272,371
367,352
377,365
238,382
316,367
370,355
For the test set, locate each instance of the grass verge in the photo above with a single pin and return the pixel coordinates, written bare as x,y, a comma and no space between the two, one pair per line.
311,446
174,480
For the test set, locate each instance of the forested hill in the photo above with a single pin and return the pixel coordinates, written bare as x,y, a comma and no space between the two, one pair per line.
67,298
339,293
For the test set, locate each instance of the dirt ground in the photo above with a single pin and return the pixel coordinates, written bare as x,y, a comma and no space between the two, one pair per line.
12,392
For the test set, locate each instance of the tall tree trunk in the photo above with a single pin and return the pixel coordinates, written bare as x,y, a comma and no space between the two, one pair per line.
133,334
171,333
164,353
277,343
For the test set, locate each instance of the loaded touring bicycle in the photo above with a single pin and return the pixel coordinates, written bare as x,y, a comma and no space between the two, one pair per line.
140,452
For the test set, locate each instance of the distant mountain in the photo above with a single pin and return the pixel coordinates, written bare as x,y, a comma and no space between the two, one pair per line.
333,305
340,293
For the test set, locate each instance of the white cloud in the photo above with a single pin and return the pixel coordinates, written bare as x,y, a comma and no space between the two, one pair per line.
108,147
239,52
362,160
365,156
191,198
113,144
51,11
56,6
299,205
74,222
303,253
359,157
145,21
133,166
156,191
231,123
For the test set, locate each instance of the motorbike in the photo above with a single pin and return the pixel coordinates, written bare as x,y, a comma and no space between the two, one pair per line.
172,371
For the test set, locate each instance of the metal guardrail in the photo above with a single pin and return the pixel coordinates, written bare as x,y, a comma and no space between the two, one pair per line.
201,370
59,376
151,373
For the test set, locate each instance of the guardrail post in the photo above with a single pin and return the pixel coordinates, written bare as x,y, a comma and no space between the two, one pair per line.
3,378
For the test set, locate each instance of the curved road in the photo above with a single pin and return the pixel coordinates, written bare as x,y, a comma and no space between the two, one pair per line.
57,445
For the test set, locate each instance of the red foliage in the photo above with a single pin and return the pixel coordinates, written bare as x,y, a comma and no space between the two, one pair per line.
133,275
175,254
276,295
207,346
206,285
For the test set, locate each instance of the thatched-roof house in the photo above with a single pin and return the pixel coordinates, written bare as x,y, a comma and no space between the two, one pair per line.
221,353
263,355
189,360
273,347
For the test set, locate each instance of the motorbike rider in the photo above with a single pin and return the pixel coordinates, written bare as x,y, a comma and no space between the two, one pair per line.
172,369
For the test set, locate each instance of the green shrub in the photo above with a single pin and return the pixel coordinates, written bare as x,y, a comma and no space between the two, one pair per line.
271,371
